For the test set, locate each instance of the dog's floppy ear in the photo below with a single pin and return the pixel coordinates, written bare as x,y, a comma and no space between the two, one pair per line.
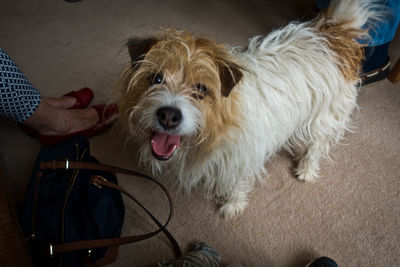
138,47
230,74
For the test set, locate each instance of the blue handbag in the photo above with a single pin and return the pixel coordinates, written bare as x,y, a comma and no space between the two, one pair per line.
73,210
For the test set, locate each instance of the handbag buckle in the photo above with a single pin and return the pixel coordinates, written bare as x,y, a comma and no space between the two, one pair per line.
96,178
51,251
66,163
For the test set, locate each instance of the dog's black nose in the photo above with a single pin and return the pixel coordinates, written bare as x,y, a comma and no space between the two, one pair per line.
169,117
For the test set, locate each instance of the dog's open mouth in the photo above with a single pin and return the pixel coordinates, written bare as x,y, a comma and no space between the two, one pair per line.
164,145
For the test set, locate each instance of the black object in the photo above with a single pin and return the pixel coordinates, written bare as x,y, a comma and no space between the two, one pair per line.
376,65
73,210
323,262
377,74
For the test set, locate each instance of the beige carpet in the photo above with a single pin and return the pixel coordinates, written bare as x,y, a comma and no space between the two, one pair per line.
351,214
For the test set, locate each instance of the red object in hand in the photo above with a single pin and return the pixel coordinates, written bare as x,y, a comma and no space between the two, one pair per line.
83,97
106,114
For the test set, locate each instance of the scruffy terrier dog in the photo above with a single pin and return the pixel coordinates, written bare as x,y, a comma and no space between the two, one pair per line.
211,115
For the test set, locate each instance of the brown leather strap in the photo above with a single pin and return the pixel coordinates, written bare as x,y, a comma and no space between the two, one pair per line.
98,243
67,164
109,257
99,181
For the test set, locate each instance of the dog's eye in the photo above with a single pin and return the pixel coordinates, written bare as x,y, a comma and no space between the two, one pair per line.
156,79
201,90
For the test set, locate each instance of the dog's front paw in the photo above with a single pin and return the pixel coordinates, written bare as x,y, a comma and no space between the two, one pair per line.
305,171
233,208
306,176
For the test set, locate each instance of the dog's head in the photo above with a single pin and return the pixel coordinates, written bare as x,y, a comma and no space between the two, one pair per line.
178,93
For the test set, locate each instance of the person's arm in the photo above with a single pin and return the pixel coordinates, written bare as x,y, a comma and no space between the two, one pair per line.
19,99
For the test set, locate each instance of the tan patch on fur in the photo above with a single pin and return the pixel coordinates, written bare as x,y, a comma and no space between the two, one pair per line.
343,41
185,61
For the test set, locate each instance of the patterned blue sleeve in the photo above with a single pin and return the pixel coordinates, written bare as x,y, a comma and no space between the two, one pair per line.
18,98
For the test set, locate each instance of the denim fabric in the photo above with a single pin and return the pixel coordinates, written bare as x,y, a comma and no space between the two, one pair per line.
383,32
18,98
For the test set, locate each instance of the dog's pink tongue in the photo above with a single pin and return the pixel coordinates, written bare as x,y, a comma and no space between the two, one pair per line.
164,145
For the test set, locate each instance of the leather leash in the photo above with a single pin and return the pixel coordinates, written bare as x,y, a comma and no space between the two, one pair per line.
100,181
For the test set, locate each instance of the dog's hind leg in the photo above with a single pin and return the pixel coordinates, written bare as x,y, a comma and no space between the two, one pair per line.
308,166
326,129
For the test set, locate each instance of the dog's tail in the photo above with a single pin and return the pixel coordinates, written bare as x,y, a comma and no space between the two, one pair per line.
357,15
344,24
